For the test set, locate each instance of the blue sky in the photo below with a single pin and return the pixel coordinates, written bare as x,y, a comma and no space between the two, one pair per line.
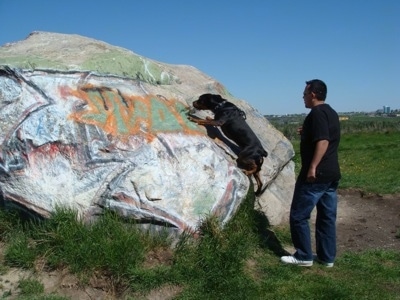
262,51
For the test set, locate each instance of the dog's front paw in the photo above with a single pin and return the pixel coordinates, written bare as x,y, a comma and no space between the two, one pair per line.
209,119
191,118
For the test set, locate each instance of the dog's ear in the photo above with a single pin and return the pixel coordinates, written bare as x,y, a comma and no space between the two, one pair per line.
205,97
215,98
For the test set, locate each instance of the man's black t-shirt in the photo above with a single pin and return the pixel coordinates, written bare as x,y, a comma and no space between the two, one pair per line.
322,123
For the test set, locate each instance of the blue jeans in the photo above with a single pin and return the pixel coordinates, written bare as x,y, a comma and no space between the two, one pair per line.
306,196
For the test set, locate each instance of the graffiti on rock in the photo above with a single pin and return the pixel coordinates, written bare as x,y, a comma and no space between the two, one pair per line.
123,115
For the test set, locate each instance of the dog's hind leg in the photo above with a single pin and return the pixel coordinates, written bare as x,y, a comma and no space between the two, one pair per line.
259,183
249,167
256,173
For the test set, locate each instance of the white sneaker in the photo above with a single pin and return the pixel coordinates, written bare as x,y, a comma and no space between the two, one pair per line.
326,264
294,261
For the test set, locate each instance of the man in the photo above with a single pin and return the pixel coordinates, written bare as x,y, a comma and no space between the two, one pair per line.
317,182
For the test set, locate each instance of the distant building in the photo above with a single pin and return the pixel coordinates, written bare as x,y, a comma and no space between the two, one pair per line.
386,109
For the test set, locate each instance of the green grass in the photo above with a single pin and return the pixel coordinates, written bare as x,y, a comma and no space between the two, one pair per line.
368,161
31,287
239,261
370,275
368,151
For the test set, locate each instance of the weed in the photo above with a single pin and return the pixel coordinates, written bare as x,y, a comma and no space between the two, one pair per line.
30,287
19,251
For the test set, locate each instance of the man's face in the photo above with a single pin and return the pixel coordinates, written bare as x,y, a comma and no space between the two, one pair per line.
307,97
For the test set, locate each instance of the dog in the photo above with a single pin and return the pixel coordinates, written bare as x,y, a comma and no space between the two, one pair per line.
232,122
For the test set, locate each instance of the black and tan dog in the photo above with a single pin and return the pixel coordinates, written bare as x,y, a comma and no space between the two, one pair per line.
232,122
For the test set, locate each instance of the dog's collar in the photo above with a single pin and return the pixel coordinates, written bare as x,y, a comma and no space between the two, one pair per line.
220,105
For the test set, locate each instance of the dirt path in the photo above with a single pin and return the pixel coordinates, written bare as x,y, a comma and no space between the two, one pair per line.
367,221
364,222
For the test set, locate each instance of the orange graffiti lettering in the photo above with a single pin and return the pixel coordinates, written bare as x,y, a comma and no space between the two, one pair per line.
124,115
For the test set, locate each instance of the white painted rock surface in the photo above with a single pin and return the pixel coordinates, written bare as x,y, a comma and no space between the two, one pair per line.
88,125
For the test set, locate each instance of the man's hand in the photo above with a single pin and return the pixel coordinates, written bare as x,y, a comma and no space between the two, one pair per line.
311,175
300,130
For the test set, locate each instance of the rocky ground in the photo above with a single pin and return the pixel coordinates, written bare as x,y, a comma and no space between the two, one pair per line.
364,222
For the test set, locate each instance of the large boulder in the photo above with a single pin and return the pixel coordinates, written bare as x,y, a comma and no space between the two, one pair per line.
89,126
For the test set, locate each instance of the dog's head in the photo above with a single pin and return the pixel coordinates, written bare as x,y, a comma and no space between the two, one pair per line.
208,102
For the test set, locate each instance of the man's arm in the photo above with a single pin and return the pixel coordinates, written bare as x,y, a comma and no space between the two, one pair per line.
320,149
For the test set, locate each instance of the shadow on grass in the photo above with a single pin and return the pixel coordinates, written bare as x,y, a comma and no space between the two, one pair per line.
267,237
